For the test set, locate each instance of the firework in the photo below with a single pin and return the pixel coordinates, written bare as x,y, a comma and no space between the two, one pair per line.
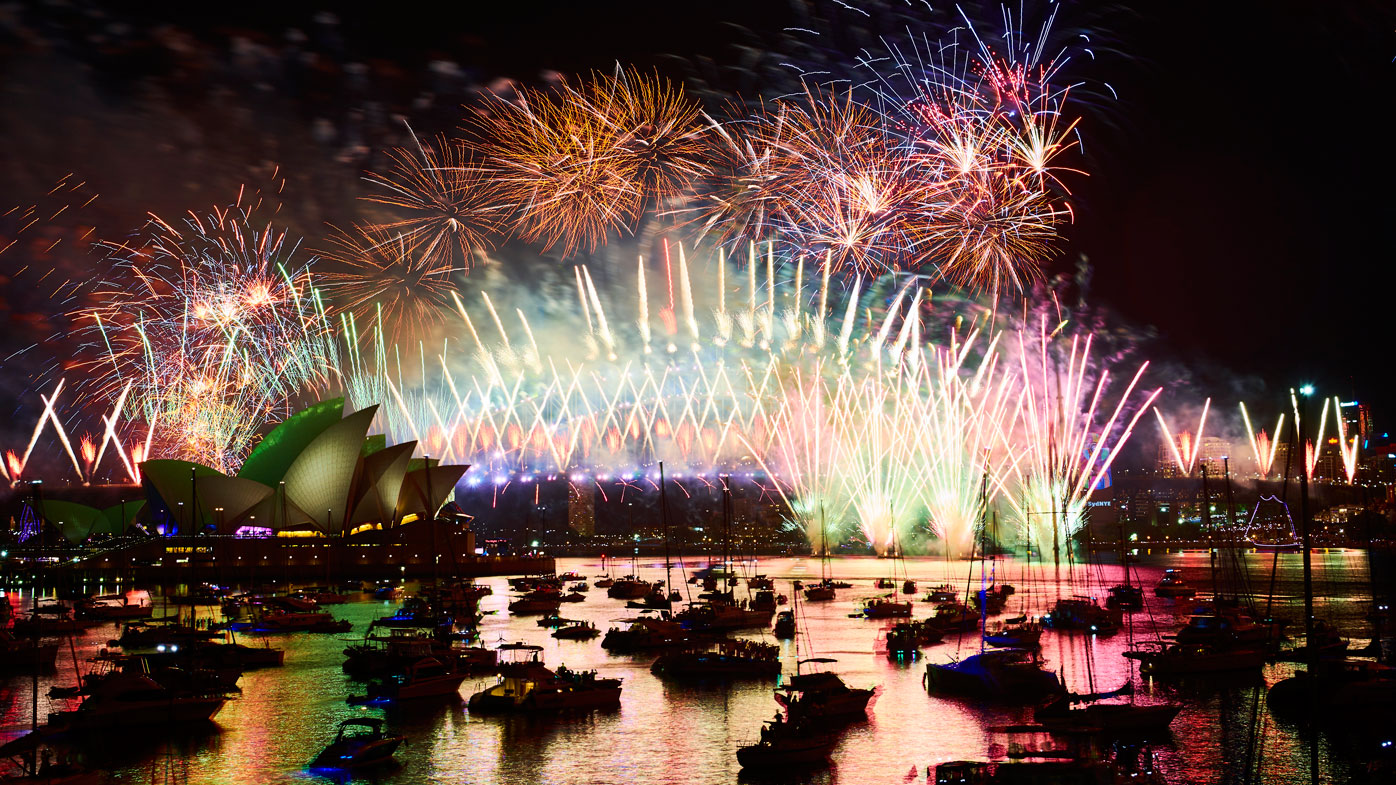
1186,446
211,327
1262,445
1347,447
385,278
574,165
447,201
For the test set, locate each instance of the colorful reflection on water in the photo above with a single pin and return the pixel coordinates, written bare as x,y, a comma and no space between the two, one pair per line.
679,733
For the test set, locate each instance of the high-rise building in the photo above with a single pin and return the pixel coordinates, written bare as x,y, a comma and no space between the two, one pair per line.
581,508
1213,455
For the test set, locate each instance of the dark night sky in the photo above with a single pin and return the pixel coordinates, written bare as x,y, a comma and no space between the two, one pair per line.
1240,196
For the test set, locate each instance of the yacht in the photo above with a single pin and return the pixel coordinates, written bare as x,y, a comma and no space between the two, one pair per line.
126,700
720,659
886,608
426,678
526,686
647,633
822,695
1179,658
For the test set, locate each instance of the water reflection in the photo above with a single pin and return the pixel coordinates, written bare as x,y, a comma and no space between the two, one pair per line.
669,732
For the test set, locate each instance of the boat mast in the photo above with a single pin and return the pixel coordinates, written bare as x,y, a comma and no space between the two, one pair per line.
1211,535
664,517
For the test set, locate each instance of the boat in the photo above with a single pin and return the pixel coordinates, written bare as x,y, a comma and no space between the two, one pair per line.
425,678
908,586
1173,585
759,582
359,742
1001,674
955,617
785,745
722,614
1227,627
134,604
647,633
526,686
720,659
886,608
554,621
785,625
1125,597
942,593
1041,755
128,700
572,596
905,639
1185,658
25,653
822,696
1111,719
629,588
379,656
576,631
1021,633
1344,687
1082,613
533,604
819,592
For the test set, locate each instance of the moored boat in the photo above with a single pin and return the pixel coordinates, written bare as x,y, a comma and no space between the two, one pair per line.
527,686
360,742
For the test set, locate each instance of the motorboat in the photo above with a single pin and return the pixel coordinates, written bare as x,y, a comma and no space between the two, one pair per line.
943,593
576,631
820,592
886,608
531,605
1082,613
647,633
785,625
1184,658
1023,634
628,588
1000,674
722,615
905,639
426,678
127,700
360,742
822,695
955,617
785,745
1172,585
1125,597
134,604
720,659
525,685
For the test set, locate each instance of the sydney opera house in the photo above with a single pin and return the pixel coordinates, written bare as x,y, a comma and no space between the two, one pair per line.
318,490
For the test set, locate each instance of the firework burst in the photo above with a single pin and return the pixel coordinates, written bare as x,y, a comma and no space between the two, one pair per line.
385,279
447,203
213,327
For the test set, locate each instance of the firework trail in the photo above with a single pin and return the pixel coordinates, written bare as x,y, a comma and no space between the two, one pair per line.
1262,446
1186,446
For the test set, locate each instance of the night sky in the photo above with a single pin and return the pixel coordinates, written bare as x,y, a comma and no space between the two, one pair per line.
1239,202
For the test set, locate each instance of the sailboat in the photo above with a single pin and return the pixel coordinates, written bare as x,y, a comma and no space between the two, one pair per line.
1009,674
721,611
824,590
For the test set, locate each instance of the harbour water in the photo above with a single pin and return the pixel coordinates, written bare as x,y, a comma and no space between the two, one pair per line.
682,733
